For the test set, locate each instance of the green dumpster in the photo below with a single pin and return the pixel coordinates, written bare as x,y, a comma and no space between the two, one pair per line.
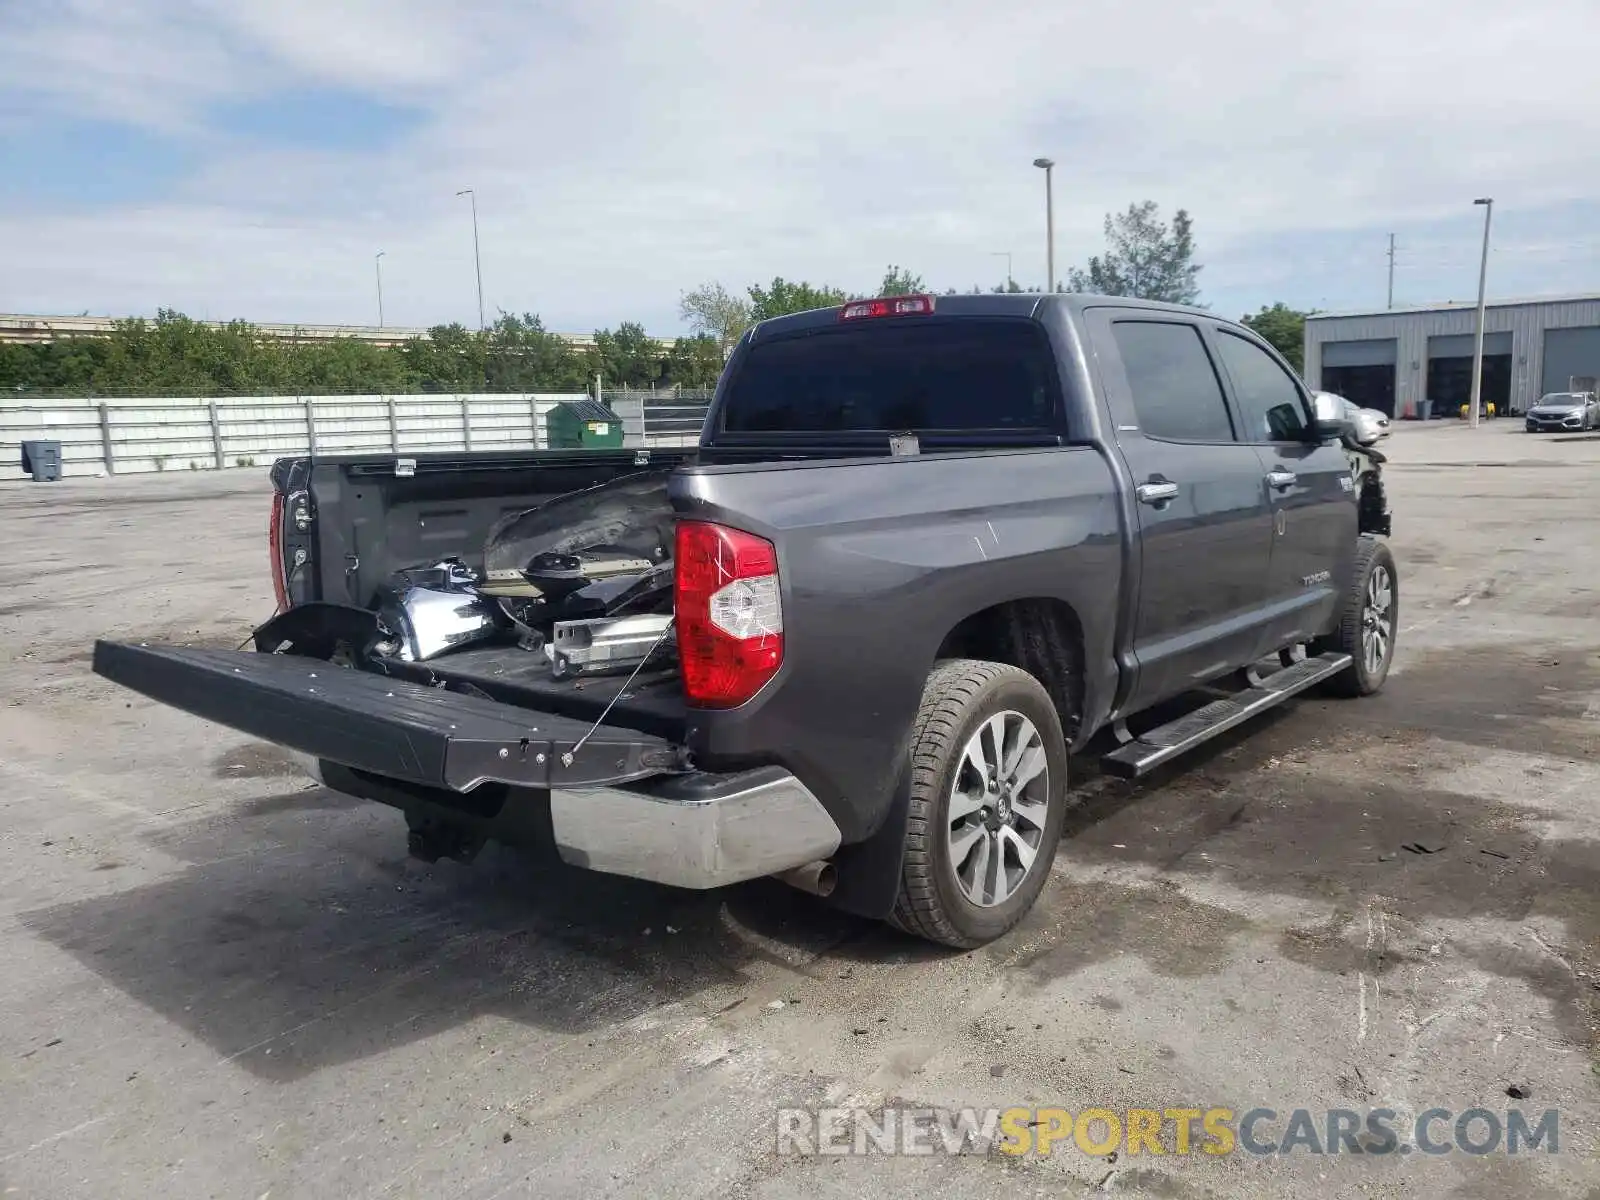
583,425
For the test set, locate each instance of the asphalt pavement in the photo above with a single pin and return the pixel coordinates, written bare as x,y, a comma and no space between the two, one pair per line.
221,980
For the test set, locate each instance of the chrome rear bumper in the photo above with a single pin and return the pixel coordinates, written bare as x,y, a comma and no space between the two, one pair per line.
695,831
691,836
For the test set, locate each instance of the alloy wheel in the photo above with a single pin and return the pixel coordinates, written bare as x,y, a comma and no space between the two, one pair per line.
1377,620
999,803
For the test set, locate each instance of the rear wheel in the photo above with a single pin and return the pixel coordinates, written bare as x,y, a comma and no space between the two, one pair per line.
1368,621
988,794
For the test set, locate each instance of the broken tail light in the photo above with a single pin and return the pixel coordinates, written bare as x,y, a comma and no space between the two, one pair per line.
280,580
291,514
887,306
729,613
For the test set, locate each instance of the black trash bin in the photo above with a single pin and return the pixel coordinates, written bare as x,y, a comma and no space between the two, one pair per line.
42,460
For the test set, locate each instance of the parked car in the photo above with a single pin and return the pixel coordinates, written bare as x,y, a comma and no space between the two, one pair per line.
1564,411
928,548
1367,425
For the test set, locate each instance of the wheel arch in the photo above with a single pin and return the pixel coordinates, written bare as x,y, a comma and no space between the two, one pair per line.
1042,635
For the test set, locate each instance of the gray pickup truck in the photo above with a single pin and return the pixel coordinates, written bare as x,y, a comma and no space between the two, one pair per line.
928,550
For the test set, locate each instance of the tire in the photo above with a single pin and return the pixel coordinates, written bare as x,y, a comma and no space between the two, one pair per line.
1374,564
960,700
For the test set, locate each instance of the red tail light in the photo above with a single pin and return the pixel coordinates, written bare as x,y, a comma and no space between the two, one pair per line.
280,582
889,306
729,613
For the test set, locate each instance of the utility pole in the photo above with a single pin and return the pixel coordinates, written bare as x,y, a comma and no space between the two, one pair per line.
1477,341
377,265
1391,270
477,260
1046,166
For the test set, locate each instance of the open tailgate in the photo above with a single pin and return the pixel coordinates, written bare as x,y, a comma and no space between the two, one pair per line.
388,727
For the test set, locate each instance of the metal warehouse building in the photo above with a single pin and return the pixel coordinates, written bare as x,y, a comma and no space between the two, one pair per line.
1395,358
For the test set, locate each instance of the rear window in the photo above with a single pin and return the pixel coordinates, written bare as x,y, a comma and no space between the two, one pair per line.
916,375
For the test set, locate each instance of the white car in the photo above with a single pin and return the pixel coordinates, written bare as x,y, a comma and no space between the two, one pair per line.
1367,425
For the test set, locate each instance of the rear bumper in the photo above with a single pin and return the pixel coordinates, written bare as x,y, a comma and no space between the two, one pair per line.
694,831
610,799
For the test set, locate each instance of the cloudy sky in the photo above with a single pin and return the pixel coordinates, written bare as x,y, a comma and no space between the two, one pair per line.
251,157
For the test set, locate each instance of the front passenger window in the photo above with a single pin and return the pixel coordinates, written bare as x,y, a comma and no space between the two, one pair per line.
1175,389
1270,402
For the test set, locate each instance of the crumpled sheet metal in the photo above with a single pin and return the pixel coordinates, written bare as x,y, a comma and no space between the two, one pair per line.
436,608
616,531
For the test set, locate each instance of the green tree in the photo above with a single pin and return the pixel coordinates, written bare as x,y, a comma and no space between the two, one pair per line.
783,297
523,356
627,357
1285,328
694,362
897,281
713,311
345,366
449,359
173,355
1145,258
68,365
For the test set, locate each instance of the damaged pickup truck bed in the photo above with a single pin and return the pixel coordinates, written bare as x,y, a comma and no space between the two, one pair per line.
926,549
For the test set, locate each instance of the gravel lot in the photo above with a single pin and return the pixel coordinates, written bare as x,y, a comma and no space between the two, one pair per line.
222,981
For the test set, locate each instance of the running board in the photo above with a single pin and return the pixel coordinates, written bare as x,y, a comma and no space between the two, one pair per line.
1149,750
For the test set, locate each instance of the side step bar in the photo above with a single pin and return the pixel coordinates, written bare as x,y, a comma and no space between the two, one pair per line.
1149,750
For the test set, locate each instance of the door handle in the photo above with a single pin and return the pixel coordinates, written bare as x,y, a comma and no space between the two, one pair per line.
1156,493
1281,480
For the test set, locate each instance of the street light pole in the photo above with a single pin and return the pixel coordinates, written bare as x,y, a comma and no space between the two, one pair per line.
1477,340
477,260
1005,254
1391,270
377,266
1046,165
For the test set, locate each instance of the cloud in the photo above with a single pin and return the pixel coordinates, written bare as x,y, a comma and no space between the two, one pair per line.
145,65
625,150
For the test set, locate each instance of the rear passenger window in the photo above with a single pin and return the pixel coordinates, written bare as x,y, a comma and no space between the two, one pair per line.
1175,388
1269,400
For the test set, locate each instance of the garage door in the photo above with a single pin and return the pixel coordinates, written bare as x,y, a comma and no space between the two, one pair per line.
1361,371
1376,352
1459,345
1569,352
1449,381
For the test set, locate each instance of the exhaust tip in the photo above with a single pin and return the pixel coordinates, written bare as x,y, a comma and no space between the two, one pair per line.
819,878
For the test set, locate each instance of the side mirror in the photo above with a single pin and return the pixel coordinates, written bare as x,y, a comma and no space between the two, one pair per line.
1328,412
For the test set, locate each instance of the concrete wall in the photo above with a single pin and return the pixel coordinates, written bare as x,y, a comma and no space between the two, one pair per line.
1525,323
199,433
